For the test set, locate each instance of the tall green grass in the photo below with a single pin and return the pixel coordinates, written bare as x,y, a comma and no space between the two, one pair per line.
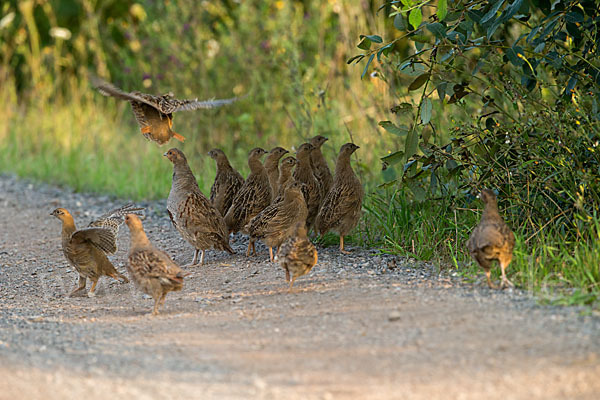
558,270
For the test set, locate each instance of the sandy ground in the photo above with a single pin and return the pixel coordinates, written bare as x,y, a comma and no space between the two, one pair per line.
364,326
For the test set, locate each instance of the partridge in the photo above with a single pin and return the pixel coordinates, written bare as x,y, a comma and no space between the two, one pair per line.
152,270
320,167
276,223
227,182
86,249
154,114
297,255
340,210
198,222
492,239
253,197
272,168
304,173
285,177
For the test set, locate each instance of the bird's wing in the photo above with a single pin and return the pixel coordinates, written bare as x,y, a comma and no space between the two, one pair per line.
108,89
198,216
168,105
114,218
102,238
338,203
155,263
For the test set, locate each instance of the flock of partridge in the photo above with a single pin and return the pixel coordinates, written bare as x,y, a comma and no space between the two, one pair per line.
278,203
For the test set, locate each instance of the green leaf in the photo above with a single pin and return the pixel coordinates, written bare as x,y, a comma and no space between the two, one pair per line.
367,66
412,141
393,158
415,17
392,128
374,38
399,22
439,30
426,108
365,43
492,12
358,58
513,55
420,81
442,9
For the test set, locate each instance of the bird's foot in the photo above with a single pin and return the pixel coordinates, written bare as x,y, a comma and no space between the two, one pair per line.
91,294
345,251
76,292
506,284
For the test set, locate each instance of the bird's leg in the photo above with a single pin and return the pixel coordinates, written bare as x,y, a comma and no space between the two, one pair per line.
342,246
505,281
80,287
253,249
178,136
271,253
156,304
202,258
195,260
488,274
291,284
120,277
287,274
162,299
249,247
92,292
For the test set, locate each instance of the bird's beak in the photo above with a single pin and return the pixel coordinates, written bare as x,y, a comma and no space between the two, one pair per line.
326,139
165,154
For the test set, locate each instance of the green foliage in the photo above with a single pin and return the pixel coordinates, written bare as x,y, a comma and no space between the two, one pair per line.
500,94
287,57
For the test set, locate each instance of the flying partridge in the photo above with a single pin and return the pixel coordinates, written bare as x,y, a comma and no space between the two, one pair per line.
154,114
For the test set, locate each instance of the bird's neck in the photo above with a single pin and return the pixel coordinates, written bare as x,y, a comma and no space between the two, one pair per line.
223,165
139,239
284,174
317,156
183,175
342,166
68,227
255,165
491,211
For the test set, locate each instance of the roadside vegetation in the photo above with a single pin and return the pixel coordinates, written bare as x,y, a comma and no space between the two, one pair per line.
444,98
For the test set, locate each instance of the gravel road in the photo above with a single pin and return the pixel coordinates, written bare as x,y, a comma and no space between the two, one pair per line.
364,326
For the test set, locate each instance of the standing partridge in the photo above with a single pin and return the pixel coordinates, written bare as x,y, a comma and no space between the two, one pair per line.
492,239
320,167
227,182
340,210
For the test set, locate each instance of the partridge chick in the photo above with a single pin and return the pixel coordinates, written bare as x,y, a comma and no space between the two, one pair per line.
227,182
190,211
285,177
304,174
152,270
341,207
154,114
297,255
276,223
492,239
320,167
253,197
86,250
272,168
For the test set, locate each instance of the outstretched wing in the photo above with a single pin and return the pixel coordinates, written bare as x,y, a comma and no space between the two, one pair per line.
102,238
113,219
108,89
168,105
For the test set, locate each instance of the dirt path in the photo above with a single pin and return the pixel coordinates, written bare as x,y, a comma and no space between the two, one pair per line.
363,326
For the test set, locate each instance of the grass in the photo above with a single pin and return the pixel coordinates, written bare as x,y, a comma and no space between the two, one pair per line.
557,270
